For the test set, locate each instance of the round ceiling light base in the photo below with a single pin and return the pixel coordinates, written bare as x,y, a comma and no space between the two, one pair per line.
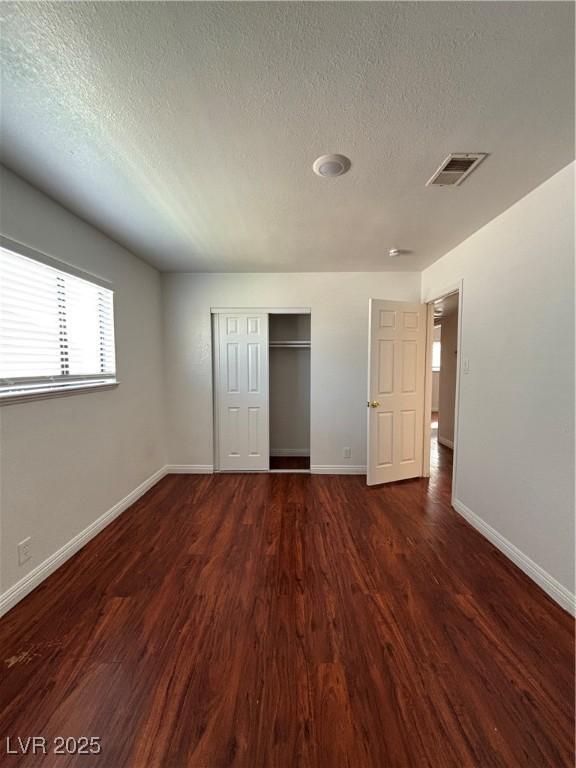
331,166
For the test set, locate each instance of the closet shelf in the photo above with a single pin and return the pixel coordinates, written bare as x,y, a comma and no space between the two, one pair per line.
291,344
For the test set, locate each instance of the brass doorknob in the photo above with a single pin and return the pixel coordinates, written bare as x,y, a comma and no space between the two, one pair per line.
374,404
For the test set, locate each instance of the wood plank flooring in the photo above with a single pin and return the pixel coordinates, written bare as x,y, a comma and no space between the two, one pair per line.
289,462
287,621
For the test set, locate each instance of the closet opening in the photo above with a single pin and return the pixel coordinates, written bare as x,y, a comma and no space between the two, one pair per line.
261,388
289,392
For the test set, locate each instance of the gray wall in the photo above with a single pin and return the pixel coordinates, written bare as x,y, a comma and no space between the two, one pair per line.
290,400
289,386
339,316
67,460
515,451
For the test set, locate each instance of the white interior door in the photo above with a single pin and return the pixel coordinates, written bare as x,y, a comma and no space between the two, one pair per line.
242,383
396,385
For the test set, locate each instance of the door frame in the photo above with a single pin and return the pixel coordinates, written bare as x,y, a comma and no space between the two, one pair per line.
215,313
457,287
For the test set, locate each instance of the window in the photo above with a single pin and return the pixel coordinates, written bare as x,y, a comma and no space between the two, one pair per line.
56,327
436,346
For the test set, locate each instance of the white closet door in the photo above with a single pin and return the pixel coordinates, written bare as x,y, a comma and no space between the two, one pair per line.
243,392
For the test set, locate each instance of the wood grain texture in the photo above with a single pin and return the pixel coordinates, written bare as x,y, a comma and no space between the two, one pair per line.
280,621
289,462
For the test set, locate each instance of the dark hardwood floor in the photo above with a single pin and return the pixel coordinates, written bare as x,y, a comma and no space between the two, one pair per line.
289,462
284,621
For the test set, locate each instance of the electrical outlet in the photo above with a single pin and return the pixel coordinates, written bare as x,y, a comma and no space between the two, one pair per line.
24,551
347,453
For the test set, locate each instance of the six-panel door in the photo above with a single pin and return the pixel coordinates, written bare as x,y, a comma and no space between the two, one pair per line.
243,392
396,371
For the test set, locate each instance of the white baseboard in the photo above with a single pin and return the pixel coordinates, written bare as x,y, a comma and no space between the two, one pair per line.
289,452
36,576
447,443
548,583
189,469
336,469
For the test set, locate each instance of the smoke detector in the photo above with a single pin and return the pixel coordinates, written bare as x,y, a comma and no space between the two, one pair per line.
330,166
455,168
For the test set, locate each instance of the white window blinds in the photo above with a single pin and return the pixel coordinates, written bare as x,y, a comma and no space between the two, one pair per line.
56,329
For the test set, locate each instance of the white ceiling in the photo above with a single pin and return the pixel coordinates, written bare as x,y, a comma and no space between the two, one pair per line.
187,131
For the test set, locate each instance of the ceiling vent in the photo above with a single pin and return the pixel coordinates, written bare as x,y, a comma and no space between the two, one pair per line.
455,168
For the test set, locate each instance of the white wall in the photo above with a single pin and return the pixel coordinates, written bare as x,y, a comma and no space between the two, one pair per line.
515,434
339,306
447,386
65,461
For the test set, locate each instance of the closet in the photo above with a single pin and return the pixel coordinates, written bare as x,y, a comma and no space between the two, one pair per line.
261,389
289,383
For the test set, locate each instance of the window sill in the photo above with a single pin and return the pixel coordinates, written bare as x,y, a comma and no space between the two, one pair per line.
12,398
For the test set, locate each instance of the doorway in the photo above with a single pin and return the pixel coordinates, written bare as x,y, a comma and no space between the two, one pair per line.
444,312
289,392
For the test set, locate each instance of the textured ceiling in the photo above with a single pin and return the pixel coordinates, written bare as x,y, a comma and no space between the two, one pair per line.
187,131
